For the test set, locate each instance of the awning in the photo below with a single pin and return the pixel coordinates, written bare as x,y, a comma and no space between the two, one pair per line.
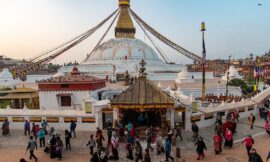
64,94
19,96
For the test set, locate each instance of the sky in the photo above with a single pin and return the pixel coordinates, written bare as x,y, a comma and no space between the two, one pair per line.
234,27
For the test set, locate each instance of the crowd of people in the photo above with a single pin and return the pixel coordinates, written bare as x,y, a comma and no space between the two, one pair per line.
102,152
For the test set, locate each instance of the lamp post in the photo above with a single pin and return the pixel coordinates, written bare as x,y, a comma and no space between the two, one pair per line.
203,61
228,73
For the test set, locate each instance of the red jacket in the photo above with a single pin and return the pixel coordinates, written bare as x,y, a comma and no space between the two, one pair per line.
217,138
248,141
228,135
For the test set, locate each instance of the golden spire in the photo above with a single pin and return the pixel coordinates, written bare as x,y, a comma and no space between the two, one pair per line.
124,27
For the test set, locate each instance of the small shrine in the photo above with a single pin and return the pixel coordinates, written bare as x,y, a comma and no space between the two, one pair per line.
144,104
184,77
20,98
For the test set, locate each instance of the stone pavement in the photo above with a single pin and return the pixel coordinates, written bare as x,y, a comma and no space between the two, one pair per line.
17,142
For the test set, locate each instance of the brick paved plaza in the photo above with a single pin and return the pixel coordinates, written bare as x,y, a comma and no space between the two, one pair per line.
13,147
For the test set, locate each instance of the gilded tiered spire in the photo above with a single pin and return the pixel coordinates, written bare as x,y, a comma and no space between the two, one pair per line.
124,27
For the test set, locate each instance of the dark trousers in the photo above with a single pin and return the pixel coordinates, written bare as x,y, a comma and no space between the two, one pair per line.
92,150
32,155
42,142
180,135
26,131
52,152
248,149
130,154
139,157
68,146
115,154
168,156
73,131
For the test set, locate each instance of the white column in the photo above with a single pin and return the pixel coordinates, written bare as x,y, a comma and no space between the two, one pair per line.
188,114
172,117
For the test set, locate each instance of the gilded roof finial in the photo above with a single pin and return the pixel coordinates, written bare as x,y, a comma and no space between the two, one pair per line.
124,27
142,69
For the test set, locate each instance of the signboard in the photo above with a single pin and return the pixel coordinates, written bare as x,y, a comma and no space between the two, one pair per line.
195,106
88,107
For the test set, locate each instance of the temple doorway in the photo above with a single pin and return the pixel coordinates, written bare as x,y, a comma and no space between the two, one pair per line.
142,118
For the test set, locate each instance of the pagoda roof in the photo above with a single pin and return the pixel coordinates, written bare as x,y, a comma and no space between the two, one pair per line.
142,94
20,93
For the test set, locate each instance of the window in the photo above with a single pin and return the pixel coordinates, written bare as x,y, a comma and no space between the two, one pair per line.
64,86
65,101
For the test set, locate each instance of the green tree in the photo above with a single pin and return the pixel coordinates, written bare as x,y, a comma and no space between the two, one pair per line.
246,89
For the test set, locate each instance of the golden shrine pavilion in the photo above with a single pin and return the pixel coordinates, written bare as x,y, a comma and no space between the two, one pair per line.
144,104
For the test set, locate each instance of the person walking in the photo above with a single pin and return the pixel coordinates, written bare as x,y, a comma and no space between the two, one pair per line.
178,145
52,131
251,120
91,143
5,128
31,147
114,142
129,144
26,127
41,135
228,138
168,150
59,148
53,146
149,140
67,139
34,131
44,126
218,129
99,137
178,131
72,128
254,156
217,143
200,148
236,116
138,153
195,130
109,132
170,133
159,143
248,141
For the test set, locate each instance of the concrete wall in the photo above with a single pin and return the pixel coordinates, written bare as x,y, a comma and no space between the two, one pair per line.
48,99
61,125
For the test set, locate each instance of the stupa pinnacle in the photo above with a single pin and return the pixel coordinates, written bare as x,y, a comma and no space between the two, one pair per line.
124,27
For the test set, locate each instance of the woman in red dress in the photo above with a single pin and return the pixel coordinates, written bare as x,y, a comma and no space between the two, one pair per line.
217,143
228,138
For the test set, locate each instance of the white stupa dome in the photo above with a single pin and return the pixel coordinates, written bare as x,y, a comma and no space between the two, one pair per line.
58,74
6,74
6,78
184,76
233,74
117,50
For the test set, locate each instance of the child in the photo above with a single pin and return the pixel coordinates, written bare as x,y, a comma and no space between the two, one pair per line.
91,144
